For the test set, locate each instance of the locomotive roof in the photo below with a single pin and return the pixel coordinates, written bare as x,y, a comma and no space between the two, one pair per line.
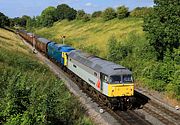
98,64
44,40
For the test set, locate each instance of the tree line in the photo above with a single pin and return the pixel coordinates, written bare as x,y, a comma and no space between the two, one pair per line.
161,22
53,14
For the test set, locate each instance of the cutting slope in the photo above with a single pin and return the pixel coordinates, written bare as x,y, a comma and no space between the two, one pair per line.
95,32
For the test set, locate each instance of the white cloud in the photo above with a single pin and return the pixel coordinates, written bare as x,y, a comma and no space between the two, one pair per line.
89,4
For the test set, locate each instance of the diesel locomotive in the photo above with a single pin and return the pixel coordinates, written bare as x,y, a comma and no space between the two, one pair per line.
110,82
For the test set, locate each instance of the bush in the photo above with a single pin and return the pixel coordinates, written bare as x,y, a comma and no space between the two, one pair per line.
109,14
96,14
86,18
80,14
141,12
118,51
122,12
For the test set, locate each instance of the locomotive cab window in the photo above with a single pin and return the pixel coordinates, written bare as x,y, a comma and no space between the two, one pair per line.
127,79
115,79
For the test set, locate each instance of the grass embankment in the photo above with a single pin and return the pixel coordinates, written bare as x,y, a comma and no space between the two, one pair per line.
124,42
93,34
29,92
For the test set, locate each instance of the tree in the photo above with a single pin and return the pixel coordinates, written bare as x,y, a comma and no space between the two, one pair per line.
97,14
122,12
24,20
86,17
48,16
141,12
80,14
65,12
163,26
21,21
4,21
109,14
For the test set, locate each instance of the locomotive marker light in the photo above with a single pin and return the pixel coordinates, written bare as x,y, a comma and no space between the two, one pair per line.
101,111
63,39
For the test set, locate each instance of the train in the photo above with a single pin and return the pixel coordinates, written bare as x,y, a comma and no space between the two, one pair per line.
110,82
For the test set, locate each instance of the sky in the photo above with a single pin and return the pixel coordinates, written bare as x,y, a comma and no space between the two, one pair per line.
18,8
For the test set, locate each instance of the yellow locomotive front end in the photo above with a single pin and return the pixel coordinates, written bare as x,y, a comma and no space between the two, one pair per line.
120,90
120,85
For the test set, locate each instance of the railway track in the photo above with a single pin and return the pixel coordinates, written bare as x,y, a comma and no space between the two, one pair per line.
128,117
164,115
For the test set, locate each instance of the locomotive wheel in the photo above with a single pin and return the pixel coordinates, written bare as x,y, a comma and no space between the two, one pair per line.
128,105
110,106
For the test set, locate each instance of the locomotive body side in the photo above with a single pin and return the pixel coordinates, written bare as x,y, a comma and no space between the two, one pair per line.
97,73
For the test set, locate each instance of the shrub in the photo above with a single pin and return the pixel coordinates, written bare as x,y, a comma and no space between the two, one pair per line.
141,12
118,51
109,14
122,12
86,18
96,14
80,14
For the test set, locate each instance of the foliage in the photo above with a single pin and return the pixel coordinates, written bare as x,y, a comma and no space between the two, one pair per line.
80,14
163,27
92,49
141,12
4,21
118,51
65,12
48,16
86,17
96,14
109,14
31,22
122,12
21,21
136,54
29,92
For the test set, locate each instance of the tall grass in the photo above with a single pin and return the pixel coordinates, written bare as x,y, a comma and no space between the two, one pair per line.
29,92
95,32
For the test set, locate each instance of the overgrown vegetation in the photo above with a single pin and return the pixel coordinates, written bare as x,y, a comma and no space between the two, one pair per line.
136,54
163,27
96,32
4,21
29,92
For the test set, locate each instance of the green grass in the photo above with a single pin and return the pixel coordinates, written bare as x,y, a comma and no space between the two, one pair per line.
95,32
29,92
